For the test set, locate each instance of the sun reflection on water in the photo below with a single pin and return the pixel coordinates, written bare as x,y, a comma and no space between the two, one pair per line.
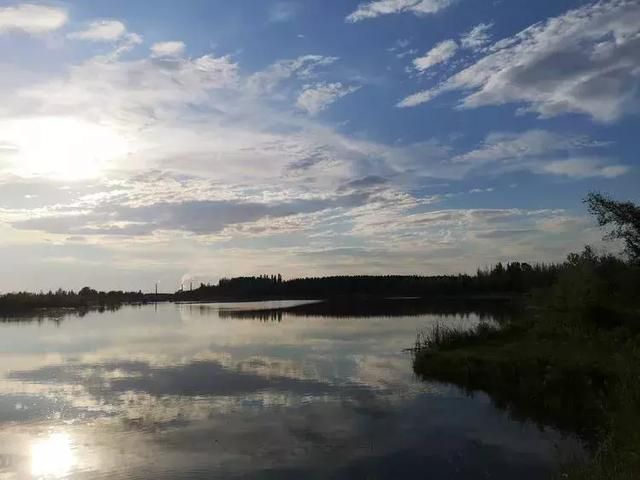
52,457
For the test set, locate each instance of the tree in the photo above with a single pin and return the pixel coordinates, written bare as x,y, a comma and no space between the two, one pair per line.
622,217
87,292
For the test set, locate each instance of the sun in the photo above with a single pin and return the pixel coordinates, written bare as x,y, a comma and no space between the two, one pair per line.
52,457
63,148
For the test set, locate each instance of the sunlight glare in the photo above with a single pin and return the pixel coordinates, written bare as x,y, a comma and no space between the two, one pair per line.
64,148
52,457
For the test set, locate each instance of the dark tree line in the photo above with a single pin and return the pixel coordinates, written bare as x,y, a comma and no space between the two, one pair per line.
85,298
510,278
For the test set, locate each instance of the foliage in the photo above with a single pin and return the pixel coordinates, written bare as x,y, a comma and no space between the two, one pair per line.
87,297
594,285
509,279
622,217
442,338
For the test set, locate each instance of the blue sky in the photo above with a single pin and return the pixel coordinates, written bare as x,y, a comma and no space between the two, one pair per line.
175,141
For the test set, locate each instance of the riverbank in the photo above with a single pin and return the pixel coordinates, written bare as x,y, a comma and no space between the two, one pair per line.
26,303
345,304
556,369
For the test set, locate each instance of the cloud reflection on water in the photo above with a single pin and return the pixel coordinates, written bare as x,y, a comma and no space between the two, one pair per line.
186,392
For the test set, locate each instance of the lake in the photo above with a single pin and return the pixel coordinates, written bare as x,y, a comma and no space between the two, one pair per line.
249,390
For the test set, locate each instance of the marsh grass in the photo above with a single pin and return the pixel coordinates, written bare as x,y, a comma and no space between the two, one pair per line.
576,371
441,337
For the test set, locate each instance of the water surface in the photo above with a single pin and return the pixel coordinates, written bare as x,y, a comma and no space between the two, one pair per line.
247,391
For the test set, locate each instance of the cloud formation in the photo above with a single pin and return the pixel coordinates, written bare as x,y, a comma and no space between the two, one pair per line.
441,53
583,61
168,49
542,152
32,19
101,31
477,37
304,67
377,8
509,146
317,97
585,168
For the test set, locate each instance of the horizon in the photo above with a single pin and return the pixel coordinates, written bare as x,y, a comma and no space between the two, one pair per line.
282,279
173,143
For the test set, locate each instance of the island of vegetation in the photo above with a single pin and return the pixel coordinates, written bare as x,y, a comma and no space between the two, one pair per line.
22,303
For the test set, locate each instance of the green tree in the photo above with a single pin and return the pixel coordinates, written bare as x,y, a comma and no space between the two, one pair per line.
622,217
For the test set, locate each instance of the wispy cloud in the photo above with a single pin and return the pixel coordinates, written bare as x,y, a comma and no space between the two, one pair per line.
441,53
509,146
304,67
585,168
541,152
377,8
283,11
317,97
477,37
101,31
582,62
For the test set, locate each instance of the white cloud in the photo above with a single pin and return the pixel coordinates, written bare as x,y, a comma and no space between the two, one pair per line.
377,8
585,168
418,98
304,67
131,91
101,31
537,151
125,44
507,146
583,61
236,133
315,98
477,37
168,49
109,31
441,53
32,19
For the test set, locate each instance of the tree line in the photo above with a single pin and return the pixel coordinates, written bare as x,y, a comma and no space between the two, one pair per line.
509,278
84,298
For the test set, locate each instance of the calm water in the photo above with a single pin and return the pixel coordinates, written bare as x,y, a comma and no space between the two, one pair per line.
195,391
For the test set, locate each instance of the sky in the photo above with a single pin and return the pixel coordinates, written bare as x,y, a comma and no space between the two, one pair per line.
175,142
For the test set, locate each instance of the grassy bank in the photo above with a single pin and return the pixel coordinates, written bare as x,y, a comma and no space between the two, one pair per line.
572,362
